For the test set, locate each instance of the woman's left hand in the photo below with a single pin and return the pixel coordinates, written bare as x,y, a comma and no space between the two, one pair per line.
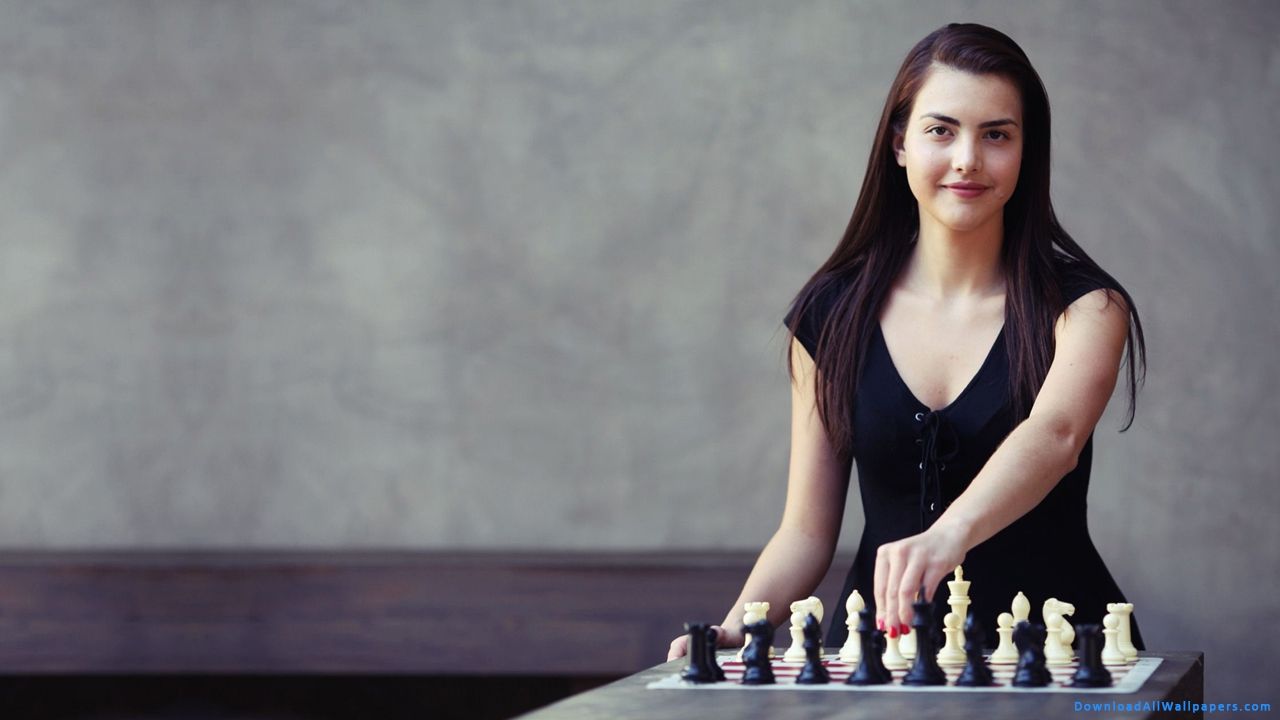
902,567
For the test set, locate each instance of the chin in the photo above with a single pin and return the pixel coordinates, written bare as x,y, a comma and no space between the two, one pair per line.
963,225
969,225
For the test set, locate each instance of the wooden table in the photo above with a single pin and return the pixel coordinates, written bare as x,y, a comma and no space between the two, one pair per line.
1180,677
572,615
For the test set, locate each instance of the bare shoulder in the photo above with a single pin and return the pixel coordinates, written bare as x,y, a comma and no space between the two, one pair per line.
1100,300
1090,338
1100,314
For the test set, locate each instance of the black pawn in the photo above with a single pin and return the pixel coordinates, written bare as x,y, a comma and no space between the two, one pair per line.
698,671
813,673
759,666
1031,668
976,672
716,670
1091,673
871,669
925,671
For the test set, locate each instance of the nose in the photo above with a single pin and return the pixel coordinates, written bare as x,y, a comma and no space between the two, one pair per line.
966,156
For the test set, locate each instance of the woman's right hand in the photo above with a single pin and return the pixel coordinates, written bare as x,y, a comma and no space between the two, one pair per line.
724,639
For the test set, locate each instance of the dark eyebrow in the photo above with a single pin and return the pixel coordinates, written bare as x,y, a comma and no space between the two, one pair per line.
987,124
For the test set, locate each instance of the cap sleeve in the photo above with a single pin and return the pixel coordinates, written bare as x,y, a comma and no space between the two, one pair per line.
808,326
1075,282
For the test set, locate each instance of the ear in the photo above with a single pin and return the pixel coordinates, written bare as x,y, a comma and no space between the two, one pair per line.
898,151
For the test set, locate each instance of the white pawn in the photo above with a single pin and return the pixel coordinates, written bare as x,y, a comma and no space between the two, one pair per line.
907,644
1006,653
1054,653
1021,608
1111,654
952,652
852,650
892,657
796,653
755,612
1125,639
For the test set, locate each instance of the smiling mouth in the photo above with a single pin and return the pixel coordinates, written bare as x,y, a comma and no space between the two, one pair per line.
966,193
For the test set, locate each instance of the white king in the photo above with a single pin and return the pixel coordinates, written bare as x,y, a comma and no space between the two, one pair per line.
959,599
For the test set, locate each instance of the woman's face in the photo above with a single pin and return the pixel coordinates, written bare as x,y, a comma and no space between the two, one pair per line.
964,129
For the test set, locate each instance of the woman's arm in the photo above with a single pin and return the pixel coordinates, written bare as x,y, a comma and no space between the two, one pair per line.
1090,340
799,554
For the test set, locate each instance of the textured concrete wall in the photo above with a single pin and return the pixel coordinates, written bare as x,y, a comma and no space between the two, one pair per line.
510,275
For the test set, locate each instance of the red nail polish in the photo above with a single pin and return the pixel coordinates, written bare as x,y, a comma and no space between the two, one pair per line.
904,630
893,632
880,625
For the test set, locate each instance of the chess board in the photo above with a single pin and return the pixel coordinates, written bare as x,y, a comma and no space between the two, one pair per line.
1125,678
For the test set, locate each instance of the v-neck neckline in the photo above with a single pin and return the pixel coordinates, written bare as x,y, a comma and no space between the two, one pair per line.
973,381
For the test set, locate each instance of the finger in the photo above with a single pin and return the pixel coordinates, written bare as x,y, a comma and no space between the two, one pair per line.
881,583
908,586
678,647
933,578
721,639
897,565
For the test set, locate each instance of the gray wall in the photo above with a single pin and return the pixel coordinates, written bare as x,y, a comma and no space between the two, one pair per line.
510,275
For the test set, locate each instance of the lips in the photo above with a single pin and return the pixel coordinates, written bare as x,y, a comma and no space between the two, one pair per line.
966,190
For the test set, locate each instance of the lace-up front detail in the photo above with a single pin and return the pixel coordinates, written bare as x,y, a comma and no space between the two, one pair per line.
938,445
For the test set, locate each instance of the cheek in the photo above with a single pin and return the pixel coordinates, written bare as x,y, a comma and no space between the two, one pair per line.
928,167
1011,163
1009,176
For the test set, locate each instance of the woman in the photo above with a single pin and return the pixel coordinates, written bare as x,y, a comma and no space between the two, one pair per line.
958,346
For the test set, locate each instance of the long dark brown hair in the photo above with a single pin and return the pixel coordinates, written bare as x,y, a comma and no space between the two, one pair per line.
885,222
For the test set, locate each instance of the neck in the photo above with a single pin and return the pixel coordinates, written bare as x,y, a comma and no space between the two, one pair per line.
948,264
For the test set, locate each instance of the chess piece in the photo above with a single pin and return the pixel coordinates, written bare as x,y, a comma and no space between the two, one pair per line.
710,659
1091,673
1124,611
852,644
1005,653
952,653
925,671
892,658
1054,653
907,645
813,605
801,609
1021,608
1031,668
1126,633
1111,652
698,670
1062,637
813,672
976,673
870,670
759,667
810,605
959,596
795,653
755,612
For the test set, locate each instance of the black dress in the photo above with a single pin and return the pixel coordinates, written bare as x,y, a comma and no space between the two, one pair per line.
912,462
